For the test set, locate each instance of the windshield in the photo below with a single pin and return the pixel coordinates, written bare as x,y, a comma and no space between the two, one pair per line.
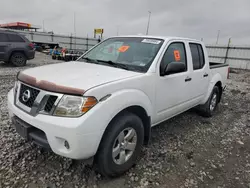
130,53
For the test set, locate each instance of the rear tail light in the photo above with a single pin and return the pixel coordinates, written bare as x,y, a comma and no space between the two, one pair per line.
31,45
228,71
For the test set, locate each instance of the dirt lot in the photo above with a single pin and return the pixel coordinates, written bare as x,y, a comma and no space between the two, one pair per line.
186,151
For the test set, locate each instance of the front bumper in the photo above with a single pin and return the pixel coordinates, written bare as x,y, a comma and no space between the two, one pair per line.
80,134
30,132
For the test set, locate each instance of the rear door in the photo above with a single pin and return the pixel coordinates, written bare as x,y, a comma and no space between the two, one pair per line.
16,41
200,73
3,45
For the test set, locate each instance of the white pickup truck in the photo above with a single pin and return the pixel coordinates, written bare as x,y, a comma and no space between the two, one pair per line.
103,105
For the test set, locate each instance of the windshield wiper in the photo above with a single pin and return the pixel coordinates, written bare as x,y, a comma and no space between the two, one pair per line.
90,60
113,64
118,65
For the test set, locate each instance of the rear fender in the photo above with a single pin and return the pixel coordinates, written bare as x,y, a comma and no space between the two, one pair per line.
216,78
21,50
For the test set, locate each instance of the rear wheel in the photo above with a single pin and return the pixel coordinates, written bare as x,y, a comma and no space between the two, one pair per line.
209,108
121,145
18,59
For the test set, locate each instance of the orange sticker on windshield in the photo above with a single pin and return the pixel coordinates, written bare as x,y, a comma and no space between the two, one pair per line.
123,48
177,55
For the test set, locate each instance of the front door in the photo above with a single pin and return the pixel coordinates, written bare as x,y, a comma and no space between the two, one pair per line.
171,90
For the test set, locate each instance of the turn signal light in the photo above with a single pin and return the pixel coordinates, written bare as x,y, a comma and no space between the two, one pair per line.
88,104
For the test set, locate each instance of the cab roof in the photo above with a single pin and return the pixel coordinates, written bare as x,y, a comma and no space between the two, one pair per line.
159,37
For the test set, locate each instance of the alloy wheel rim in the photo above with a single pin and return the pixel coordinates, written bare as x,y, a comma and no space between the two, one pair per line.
124,146
213,102
18,59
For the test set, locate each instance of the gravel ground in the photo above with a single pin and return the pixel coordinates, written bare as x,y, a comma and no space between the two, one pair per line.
186,151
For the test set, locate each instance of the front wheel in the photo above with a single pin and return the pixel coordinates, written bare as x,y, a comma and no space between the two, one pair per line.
121,145
208,109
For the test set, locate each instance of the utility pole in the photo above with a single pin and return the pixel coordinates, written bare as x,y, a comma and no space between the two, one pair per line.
228,46
75,28
149,15
218,36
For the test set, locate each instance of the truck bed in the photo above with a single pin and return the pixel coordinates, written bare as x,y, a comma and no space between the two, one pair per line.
214,65
221,69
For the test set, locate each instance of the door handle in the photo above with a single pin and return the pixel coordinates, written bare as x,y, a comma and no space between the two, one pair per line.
205,75
188,79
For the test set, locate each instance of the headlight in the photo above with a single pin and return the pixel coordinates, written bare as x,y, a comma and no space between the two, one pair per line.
74,106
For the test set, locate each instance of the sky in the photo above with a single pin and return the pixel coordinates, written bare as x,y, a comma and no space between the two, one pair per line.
185,18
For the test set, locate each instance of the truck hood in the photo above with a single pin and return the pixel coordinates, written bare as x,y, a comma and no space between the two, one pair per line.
79,75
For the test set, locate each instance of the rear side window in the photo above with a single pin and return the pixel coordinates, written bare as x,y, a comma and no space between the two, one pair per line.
201,53
197,56
3,37
15,38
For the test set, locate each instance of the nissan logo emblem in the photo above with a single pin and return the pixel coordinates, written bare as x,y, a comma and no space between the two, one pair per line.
26,95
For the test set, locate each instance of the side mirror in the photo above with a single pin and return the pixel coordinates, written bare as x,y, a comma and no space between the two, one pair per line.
174,67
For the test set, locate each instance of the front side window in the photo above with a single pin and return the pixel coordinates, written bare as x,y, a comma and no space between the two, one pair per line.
131,53
175,53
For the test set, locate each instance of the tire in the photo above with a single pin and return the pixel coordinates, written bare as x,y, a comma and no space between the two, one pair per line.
209,108
109,158
18,59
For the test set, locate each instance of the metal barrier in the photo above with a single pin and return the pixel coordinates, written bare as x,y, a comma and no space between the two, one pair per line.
65,41
235,56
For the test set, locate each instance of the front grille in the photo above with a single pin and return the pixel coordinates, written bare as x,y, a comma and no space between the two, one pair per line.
50,103
28,95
